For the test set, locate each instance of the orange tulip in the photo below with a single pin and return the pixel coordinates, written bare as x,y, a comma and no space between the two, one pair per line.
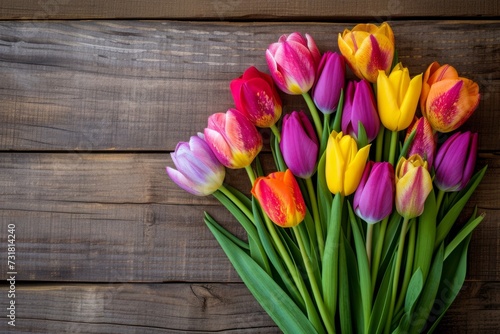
447,100
368,49
280,197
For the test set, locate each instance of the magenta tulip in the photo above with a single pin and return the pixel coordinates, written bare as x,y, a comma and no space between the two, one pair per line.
299,144
256,97
374,198
330,79
360,106
234,140
198,170
455,161
293,61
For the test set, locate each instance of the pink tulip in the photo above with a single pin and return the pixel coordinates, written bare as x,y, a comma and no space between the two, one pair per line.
293,61
234,140
425,141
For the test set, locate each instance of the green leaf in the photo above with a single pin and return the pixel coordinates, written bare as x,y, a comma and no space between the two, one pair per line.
362,140
344,298
390,242
406,145
275,259
363,268
240,196
280,307
426,300
425,236
414,290
258,166
337,122
325,197
276,151
330,257
464,233
240,243
380,310
452,279
449,219
354,291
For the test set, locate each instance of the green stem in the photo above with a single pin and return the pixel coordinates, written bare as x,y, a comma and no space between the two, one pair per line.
397,268
369,237
378,251
299,282
317,221
379,144
237,202
394,142
314,285
409,264
276,132
314,114
251,174
439,199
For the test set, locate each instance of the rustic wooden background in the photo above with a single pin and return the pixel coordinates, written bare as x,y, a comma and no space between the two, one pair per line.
93,97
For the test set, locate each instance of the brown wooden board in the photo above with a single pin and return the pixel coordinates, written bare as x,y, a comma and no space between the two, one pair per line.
374,10
173,308
145,85
118,218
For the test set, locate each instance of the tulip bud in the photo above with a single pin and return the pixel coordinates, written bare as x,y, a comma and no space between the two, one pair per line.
344,163
413,185
397,97
256,97
293,61
424,142
455,161
299,144
368,49
198,170
374,197
329,82
234,140
280,197
360,106
447,100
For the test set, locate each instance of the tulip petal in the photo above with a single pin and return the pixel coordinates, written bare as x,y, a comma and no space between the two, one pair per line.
388,108
411,192
355,170
375,53
410,102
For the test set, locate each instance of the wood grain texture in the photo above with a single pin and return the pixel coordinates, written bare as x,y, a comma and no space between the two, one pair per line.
243,10
145,85
118,218
171,308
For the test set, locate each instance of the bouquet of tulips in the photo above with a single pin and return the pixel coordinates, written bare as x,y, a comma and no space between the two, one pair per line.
353,230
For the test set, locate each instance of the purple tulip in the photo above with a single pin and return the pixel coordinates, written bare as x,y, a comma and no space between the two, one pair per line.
198,170
330,81
455,161
360,106
374,197
299,144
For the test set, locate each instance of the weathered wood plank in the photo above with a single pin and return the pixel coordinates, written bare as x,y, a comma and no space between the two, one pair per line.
245,10
227,308
117,217
145,85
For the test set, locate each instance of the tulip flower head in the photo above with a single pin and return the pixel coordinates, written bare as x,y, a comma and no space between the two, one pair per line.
424,142
413,185
329,82
344,163
368,49
397,97
455,161
280,197
292,62
374,198
234,140
360,106
447,100
256,97
198,170
299,144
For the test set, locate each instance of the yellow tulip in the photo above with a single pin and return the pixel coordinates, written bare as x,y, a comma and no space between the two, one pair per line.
367,49
344,163
398,97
